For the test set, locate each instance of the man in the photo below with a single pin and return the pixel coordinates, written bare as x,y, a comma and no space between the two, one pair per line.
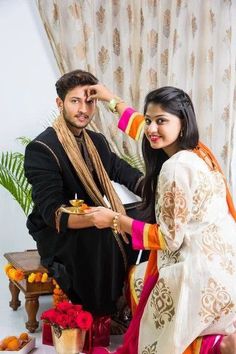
64,160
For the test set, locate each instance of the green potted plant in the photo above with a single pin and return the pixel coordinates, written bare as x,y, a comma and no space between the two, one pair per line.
12,177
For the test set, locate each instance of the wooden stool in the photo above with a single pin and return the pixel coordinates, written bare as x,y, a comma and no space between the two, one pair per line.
28,262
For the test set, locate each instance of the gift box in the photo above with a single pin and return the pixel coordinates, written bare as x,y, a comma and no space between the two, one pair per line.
101,331
46,334
99,335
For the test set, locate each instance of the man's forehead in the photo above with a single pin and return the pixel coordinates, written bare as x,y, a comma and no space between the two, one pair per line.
79,91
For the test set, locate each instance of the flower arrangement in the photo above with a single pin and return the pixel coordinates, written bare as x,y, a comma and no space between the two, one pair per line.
68,316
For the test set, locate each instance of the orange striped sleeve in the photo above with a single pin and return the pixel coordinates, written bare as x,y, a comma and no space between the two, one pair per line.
147,236
131,122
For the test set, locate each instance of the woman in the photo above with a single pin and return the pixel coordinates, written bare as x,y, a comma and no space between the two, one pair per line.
192,243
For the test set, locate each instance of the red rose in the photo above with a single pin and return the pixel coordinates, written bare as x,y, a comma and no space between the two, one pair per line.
67,315
78,308
72,313
84,320
64,306
49,315
62,320
72,323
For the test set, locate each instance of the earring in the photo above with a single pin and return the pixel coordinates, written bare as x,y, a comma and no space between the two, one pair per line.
181,133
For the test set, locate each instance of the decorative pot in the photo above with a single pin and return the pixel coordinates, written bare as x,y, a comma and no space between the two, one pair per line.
68,341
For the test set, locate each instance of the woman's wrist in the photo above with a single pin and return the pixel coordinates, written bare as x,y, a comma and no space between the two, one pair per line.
113,104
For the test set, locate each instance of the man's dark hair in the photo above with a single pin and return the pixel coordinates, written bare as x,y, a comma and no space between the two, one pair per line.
72,79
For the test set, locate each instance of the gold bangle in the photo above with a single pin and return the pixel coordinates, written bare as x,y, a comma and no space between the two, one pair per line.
115,223
58,213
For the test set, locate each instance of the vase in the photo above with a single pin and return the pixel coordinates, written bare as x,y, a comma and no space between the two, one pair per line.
68,341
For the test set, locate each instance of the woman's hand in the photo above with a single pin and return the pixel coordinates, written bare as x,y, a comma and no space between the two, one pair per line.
228,344
99,92
103,217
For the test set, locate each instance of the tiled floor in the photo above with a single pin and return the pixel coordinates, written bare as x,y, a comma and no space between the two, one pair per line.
13,322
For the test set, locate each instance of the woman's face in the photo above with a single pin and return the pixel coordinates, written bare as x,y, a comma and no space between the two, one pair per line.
162,129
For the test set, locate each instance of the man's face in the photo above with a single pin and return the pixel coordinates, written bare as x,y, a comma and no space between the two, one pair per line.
77,111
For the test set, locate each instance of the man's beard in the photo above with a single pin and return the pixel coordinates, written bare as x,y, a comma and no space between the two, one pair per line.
71,124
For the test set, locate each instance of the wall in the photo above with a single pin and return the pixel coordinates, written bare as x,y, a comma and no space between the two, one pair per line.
28,72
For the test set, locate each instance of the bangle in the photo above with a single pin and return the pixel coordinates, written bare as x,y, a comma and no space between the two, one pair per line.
115,223
113,104
58,213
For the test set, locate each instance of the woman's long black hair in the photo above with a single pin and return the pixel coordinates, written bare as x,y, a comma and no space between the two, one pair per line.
177,102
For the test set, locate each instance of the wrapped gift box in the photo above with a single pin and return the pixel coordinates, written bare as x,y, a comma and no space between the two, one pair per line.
46,334
99,335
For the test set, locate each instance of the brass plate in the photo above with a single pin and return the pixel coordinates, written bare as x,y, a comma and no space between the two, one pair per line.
75,210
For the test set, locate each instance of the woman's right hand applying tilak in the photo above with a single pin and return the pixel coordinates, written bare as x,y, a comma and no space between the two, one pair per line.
99,92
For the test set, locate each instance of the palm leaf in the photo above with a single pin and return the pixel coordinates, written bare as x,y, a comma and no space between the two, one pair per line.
12,178
23,140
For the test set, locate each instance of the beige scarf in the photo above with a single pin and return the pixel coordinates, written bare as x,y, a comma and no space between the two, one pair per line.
72,150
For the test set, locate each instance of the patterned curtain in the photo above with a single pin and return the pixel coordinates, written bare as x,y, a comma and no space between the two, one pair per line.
136,46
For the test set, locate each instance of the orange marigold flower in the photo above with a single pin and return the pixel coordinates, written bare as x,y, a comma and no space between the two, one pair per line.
84,207
11,273
38,277
57,291
7,267
19,275
54,282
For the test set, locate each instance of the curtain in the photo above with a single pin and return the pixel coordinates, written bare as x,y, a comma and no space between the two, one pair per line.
136,46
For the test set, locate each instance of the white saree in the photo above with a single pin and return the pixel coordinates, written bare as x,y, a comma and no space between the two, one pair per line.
195,294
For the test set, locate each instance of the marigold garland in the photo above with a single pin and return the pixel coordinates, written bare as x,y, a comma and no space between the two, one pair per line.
58,294
38,277
13,273
18,275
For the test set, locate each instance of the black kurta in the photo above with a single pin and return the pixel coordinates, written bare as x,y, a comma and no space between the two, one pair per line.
87,263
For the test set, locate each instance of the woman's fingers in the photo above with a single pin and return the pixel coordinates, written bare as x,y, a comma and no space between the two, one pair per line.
103,217
99,92
91,93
